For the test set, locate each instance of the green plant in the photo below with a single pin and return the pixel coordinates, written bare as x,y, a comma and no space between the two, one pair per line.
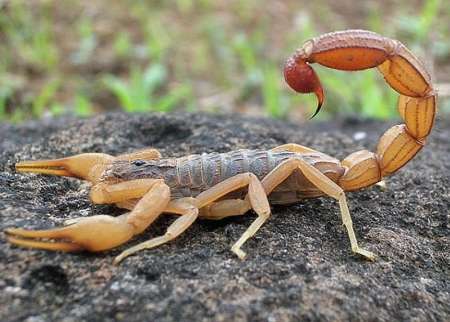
87,42
32,40
82,106
158,39
272,94
260,77
140,93
44,98
232,52
419,27
5,94
122,44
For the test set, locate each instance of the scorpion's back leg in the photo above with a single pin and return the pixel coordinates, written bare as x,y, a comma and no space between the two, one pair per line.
100,232
127,204
189,212
292,147
323,183
225,208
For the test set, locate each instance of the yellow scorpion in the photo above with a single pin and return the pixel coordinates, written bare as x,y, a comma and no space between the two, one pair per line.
216,185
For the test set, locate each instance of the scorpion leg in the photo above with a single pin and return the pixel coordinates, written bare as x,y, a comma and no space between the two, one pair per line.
325,184
104,193
101,232
127,204
225,208
183,207
256,197
124,194
292,147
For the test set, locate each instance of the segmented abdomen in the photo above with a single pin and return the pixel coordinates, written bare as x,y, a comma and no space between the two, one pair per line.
190,175
209,169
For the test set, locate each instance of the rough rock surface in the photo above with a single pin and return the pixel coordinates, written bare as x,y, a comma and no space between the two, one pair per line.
299,265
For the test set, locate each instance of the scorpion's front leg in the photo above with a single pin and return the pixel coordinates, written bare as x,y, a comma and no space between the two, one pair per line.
102,232
185,207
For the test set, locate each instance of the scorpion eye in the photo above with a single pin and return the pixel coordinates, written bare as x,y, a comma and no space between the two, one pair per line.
139,163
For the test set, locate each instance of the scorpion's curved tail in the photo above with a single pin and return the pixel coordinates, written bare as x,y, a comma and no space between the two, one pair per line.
357,50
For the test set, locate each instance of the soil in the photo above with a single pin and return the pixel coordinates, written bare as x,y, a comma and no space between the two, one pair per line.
299,265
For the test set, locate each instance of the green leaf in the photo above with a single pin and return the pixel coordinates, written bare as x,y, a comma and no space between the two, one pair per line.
120,90
44,97
154,76
169,101
82,106
271,92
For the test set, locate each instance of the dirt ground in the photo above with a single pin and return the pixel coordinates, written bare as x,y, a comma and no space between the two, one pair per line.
299,265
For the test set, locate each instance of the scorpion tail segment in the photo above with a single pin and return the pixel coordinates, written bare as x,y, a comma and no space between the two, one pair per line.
87,166
348,50
353,50
95,233
302,78
406,74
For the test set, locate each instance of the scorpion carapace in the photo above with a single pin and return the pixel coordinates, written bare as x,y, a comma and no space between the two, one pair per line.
216,185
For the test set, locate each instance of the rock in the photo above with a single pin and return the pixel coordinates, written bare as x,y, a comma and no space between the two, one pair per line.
299,265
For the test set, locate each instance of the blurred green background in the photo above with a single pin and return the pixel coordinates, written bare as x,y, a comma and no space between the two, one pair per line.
87,57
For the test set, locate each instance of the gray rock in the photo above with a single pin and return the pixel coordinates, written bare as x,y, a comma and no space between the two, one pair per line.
299,265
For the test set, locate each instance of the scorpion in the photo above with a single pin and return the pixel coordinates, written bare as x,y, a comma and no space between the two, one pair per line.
219,185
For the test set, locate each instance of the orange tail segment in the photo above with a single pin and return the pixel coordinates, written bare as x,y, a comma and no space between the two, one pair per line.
353,50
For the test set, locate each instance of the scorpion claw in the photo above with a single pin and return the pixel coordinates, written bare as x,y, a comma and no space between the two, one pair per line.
61,246
84,166
95,233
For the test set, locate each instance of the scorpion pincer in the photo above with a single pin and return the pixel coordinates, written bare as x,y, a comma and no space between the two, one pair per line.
217,185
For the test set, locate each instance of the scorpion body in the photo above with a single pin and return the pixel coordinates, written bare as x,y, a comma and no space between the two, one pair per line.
190,175
219,185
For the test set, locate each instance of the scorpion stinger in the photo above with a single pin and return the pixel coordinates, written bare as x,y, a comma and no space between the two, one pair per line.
303,79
